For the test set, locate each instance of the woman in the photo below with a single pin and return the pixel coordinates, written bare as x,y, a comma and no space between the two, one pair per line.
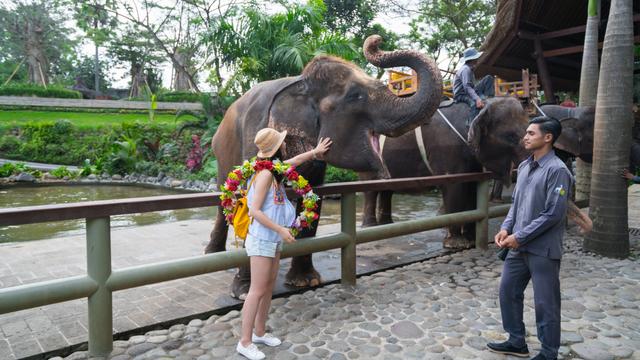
272,214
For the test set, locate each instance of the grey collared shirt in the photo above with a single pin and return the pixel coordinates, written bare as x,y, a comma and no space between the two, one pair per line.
540,205
464,83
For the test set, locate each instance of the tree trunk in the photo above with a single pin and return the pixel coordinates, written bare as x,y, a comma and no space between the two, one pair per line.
137,80
96,71
182,80
612,137
588,87
36,60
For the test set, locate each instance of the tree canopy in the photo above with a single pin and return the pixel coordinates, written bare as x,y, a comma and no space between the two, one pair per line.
226,45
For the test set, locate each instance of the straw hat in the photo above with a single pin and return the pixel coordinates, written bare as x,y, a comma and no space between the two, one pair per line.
268,141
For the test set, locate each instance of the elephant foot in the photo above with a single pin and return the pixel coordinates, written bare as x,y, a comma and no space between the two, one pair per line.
385,220
497,200
457,243
303,279
369,223
240,287
209,249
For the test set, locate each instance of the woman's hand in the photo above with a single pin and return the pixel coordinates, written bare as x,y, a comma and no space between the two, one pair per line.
285,234
322,148
626,174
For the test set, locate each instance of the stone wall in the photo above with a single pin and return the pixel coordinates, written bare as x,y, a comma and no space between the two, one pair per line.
96,104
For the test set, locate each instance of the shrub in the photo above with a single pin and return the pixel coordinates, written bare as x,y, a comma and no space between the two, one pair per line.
180,96
39,91
61,172
9,145
335,174
9,169
196,155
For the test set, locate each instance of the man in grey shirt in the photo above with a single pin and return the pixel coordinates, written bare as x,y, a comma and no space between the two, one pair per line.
464,87
533,232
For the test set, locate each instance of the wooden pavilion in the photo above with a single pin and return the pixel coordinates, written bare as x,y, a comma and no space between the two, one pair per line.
544,36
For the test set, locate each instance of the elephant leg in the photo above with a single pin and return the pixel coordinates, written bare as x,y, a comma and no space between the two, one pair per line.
302,273
496,191
241,282
369,214
218,236
384,208
456,198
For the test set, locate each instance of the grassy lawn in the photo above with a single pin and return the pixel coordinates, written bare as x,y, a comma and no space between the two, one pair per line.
83,120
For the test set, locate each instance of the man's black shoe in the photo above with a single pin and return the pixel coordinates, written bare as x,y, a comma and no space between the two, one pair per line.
541,357
508,349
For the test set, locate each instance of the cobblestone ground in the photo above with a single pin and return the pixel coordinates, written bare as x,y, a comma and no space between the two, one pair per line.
443,308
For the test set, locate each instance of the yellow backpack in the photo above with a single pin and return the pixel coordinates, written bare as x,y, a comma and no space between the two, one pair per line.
241,218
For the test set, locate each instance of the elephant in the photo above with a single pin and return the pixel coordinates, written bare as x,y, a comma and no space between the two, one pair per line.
493,142
332,98
576,139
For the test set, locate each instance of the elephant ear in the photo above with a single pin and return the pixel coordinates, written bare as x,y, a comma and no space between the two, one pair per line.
569,139
295,111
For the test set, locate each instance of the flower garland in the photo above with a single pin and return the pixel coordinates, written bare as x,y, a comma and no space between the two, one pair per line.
237,178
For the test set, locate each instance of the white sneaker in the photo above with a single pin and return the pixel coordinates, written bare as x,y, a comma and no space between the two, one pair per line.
251,352
266,339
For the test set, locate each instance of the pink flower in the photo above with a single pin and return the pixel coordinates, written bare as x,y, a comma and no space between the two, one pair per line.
231,185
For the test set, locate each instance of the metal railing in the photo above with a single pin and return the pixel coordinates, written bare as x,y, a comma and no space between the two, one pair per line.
101,280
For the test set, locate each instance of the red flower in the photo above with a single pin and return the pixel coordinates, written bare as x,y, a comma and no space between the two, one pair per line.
307,188
238,173
304,223
226,203
315,216
263,165
292,175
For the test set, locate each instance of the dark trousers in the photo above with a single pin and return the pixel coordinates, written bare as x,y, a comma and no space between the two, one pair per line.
484,88
518,268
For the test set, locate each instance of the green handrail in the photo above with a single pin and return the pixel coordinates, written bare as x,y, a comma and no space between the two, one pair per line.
102,280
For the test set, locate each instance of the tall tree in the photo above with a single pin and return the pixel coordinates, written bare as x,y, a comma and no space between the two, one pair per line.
140,55
588,87
34,31
445,28
612,137
93,17
158,21
264,46
352,17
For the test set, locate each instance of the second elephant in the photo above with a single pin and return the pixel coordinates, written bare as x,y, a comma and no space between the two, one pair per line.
493,142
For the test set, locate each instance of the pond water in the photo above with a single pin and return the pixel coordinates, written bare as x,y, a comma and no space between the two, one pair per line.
404,207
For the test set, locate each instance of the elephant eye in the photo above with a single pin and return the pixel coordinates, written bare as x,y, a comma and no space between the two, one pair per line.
354,95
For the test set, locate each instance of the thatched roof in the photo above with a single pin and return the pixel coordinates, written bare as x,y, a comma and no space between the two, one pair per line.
509,47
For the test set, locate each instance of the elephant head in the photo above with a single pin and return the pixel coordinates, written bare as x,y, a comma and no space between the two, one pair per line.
336,99
577,129
496,136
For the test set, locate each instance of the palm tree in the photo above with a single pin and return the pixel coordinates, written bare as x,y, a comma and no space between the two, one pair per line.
612,137
260,46
588,87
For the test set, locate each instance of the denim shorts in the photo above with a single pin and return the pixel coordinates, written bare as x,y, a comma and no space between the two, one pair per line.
259,247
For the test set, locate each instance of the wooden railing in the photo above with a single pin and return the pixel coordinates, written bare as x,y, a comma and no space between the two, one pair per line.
101,280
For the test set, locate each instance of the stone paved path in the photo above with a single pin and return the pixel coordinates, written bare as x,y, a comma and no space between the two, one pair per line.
442,308
31,332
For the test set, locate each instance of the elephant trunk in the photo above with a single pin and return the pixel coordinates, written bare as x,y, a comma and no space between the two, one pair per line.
399,115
